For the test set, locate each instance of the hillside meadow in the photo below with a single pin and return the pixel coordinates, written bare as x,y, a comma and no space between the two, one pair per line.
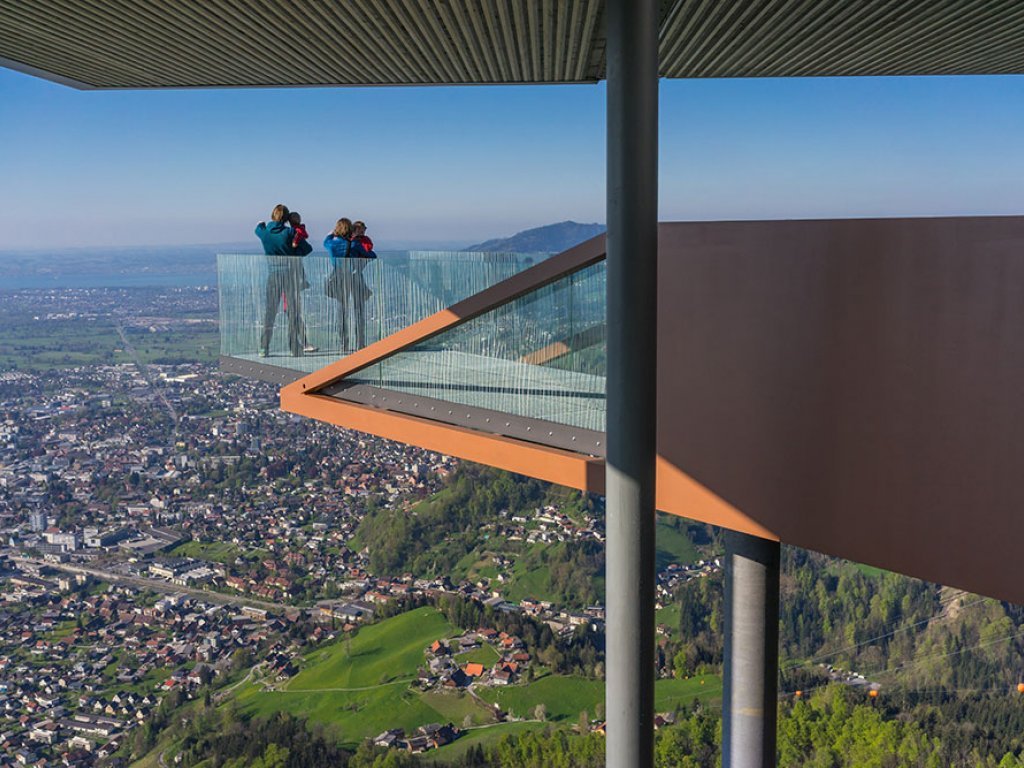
360,687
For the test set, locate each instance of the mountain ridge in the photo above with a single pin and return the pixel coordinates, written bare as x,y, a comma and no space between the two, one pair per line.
551,238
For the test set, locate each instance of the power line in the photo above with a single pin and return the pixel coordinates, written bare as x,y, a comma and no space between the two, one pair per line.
893,633
916,662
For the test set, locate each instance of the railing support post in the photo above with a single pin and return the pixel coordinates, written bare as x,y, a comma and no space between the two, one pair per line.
632,248
750,703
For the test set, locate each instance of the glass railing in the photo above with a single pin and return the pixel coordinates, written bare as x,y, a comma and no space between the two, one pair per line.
300,314
541,356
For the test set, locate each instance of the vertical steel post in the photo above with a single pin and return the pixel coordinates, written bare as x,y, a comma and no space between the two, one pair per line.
750,706
632,46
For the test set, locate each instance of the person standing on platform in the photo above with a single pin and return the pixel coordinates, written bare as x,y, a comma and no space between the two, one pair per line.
284,279
302,248
346,284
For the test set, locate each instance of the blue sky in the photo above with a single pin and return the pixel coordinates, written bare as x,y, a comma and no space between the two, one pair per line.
459,164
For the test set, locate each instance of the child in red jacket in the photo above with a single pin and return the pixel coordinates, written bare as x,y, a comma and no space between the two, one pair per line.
300,229
359,236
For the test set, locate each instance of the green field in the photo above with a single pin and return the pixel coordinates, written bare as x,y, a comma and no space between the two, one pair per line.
364,690
529,582
566,697
485,654
670,693
455,706
869,570
673,545
40,345
380,653
531,578
214,551
669,615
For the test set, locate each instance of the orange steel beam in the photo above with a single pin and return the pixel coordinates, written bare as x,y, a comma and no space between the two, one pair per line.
574,470
677,493
579,340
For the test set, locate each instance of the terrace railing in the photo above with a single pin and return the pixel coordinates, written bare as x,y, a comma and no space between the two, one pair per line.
403,287
538,358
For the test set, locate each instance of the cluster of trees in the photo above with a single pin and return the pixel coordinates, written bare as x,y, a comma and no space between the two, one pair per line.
836,728
431,538
900,631
575,570
903,632
698,646
223,739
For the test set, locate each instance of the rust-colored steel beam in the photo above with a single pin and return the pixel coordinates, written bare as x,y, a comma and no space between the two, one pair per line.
551,464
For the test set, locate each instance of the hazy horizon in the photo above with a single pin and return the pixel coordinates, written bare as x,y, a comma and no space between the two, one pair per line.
461,165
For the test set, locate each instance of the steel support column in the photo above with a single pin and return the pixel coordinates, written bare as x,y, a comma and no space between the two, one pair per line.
632,244
750,706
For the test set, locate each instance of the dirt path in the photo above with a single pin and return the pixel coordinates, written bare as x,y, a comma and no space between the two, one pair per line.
405,681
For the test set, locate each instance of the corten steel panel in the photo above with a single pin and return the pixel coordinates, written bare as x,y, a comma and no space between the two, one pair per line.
854,387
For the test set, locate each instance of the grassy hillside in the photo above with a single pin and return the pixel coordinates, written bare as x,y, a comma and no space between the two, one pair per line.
362,689
566,697
385,652
673,545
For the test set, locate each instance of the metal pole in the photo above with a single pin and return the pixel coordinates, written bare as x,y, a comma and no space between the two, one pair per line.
632,244
750,707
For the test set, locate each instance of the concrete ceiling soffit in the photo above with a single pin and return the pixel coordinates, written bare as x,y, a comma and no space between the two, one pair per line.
809,38
239,43
210,43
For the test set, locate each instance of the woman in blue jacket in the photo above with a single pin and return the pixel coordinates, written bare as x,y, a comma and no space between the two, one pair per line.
345,283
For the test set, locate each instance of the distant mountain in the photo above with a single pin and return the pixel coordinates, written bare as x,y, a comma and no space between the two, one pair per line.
552,238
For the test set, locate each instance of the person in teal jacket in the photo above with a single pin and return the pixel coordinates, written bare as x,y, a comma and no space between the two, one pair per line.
284,280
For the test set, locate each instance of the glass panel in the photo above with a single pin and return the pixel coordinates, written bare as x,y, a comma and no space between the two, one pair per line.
541,356
304,327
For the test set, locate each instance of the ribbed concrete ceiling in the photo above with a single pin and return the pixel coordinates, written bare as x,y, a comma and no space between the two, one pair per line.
197,43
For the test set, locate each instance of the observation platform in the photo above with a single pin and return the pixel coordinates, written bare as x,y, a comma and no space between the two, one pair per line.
535,366
855,387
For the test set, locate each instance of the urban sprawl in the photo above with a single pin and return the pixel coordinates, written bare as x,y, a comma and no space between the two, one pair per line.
165,526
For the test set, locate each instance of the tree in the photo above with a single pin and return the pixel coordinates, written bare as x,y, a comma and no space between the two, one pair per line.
584,723
273,757
540,712
241,659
